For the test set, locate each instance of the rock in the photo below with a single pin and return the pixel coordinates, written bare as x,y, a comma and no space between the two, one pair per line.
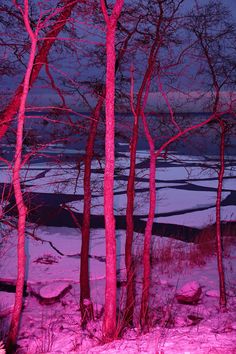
190,293
193,320
53,292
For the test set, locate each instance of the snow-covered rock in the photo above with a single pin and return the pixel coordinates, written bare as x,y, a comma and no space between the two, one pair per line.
53,291
190,293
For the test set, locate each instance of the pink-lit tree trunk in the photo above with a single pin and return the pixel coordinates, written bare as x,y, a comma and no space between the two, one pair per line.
219,246
40,59
109,322
85,299
215,35
152,206
148,228
223,300
22,210
86,305
151,212
130,297
152,202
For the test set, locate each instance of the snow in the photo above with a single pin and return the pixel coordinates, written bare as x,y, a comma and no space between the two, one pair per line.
228,183
200,219
213,293
53,263
6,303
166,201
213,332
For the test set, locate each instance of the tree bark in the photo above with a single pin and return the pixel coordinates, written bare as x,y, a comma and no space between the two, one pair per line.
109,324
130,270
148,239
87,311
109,321
151,215
86,305
130,300
223,301
22,210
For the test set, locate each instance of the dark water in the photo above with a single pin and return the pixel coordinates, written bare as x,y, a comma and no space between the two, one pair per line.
204,141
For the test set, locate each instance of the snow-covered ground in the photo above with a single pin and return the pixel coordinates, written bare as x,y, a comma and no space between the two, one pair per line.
185,196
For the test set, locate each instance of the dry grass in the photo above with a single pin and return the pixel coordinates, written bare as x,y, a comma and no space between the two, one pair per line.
168,254
206,241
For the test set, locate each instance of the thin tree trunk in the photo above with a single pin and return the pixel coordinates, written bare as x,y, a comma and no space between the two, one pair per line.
40,59
151,215
86,305
87,311
217,87
223,301
147,241
152,202
130,297
109,321
22,210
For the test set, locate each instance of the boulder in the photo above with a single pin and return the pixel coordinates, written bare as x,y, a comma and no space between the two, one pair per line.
53,292
190,293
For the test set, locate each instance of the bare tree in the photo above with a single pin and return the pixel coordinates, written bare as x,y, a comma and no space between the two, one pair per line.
162,17
22,210
215,33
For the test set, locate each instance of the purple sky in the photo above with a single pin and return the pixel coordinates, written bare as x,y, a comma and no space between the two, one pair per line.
231,4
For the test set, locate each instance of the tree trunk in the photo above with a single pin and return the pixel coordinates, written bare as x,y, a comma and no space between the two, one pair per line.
22,210
109,324
87,312
151,215
109,321
130,298
147,241
86,305
40,59
223,301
